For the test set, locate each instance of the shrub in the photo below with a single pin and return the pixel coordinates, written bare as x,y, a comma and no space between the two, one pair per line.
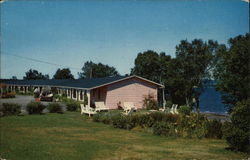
213,129
9,95
164,129
35,108
168,104
157,116
171,118
150,103
193,126
10,109
123,122
72,105
186,110
55,108
239,129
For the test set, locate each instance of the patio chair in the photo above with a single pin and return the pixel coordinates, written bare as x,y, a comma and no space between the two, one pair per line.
129,112
127,106
173,109
87,110
100,106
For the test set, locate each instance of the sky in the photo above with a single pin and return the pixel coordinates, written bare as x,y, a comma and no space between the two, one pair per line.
71,32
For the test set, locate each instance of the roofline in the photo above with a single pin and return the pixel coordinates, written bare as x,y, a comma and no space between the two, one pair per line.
133,76
105,84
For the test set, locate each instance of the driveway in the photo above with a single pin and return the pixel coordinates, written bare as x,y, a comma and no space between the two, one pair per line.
24,100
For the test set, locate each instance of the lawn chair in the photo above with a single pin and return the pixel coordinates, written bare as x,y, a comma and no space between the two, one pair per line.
87,110
127,106
100,106
173,109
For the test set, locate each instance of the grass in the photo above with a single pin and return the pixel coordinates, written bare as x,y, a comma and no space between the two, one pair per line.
72,136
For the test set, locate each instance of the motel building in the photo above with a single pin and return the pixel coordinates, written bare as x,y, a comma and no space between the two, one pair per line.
110,90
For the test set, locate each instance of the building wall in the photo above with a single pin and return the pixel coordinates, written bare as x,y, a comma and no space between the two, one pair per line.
131,90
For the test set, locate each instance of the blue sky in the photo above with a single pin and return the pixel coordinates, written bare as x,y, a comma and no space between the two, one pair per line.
111,32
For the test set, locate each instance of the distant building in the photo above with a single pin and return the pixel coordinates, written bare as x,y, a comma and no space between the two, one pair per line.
110,90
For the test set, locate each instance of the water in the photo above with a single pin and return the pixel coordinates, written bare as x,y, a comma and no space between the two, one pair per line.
210,101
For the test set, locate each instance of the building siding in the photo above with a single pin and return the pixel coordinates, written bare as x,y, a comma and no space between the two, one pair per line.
131,90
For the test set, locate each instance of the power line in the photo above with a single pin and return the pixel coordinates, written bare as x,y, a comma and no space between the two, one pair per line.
40,61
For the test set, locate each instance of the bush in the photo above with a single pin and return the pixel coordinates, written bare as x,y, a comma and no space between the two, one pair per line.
193,126
10,109
239,129
35,108
186,110
213,129
168,104
164,129
123,122
55,108
72,105
9,95
150,102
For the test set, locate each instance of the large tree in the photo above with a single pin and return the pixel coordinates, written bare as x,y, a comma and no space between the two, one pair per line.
34,75
151,65
64,73
192,65
97,70
232,70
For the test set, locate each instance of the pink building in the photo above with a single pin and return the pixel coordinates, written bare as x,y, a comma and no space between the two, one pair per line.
110,90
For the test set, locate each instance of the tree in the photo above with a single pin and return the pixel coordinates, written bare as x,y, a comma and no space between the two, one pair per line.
64,73
153,66
34,75
14,77
232,70
97,70
147,65
192,65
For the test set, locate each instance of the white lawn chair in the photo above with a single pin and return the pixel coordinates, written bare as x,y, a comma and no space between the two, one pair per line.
100,106
173,109
127,106
87,110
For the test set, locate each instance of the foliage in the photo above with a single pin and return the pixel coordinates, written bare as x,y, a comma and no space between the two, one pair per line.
10,109
35,107
168,104
232,70
213,129
149,65
164,129
64,73
186,110
9,95
34,75
54,108
97,70
72,105
239,130
193,63
193,126
149,102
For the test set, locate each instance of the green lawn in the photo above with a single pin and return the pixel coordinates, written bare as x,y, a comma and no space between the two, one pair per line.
72,136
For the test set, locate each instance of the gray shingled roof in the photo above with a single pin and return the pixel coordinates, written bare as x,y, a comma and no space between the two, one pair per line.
87,83
78,83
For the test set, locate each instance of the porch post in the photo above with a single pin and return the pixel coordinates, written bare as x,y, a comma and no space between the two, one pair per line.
88,95
163,98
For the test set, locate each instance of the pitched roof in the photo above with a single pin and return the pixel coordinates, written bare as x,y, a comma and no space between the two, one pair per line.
87,83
